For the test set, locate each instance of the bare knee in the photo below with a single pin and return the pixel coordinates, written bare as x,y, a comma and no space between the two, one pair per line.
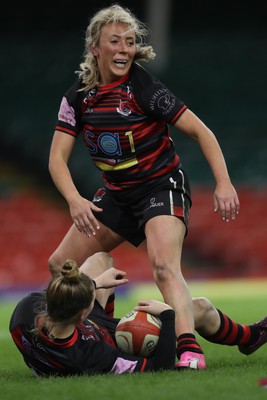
161,270
54,265
204,312
201,305
102,261
97,264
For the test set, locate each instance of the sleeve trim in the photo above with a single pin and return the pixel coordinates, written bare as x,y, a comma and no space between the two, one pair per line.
180,112
65,130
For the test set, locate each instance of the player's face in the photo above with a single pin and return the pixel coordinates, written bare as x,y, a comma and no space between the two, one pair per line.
115,51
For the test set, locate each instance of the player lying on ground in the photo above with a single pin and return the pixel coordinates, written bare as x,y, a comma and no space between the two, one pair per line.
69,328
52,330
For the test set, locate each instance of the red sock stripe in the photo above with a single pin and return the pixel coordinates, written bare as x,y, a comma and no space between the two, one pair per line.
187,343
233,335
225,329
246,335
110,305
230,332
192,346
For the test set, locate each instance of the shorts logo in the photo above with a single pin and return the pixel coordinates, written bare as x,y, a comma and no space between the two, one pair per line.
154,204
98,196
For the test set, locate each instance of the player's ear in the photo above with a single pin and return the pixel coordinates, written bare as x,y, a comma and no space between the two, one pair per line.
84,314
94,50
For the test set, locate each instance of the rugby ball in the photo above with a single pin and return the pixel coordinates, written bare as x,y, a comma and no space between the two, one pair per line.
138,333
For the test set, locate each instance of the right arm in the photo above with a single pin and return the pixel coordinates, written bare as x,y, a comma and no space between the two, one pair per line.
165,352
164,355
80,208
100,357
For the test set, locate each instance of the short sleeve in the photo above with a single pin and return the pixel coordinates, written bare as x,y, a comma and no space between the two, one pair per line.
154,98
70,111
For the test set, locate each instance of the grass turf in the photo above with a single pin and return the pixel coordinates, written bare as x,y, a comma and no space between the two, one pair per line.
230,375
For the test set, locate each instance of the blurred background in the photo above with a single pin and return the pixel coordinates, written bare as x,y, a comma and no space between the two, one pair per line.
213,55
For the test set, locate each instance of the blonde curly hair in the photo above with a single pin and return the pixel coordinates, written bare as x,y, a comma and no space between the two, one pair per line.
89,72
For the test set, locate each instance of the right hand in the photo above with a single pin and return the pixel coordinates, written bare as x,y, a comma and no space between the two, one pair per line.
154,307
110,278
83,217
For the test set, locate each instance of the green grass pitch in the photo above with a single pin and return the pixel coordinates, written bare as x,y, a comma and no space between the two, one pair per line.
230,375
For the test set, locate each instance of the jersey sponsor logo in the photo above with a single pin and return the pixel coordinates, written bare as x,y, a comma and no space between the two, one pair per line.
116,165
66,113
162,99
32,352
109,144
89,331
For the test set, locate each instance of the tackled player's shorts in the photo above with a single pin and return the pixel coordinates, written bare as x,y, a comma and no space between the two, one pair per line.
128,218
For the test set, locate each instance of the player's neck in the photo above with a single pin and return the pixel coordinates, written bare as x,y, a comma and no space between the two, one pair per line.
60,332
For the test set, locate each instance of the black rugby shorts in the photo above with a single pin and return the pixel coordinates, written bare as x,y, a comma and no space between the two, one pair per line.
128,220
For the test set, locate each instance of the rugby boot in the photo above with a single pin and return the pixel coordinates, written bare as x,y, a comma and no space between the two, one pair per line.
249,349
189,360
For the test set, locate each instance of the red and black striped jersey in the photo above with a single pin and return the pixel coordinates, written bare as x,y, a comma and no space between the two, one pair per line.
125,126
91,349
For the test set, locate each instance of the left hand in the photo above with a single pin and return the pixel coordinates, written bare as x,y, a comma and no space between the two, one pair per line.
110,278
154,307
226,201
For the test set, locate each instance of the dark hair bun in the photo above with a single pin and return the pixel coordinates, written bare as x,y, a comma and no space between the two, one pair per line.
70,271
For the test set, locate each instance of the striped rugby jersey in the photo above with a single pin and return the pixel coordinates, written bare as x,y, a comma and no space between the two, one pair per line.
125,127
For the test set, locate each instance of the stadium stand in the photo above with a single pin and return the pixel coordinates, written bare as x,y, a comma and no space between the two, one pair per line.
228,96
233,249
31,226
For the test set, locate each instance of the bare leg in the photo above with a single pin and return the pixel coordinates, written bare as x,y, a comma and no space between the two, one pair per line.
79,247
95,266
165,236
207,319
216,327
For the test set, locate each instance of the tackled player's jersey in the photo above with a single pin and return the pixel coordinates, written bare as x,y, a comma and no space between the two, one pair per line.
89,350
125,127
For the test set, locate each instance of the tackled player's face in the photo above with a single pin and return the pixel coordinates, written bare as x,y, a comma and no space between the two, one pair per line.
115,51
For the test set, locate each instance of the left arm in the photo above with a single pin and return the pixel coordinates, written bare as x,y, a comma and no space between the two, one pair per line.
225,197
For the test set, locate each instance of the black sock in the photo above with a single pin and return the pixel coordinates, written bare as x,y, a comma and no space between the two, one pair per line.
231,333
187,342
110,305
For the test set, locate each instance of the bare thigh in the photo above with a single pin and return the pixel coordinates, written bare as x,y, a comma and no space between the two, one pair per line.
79,247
